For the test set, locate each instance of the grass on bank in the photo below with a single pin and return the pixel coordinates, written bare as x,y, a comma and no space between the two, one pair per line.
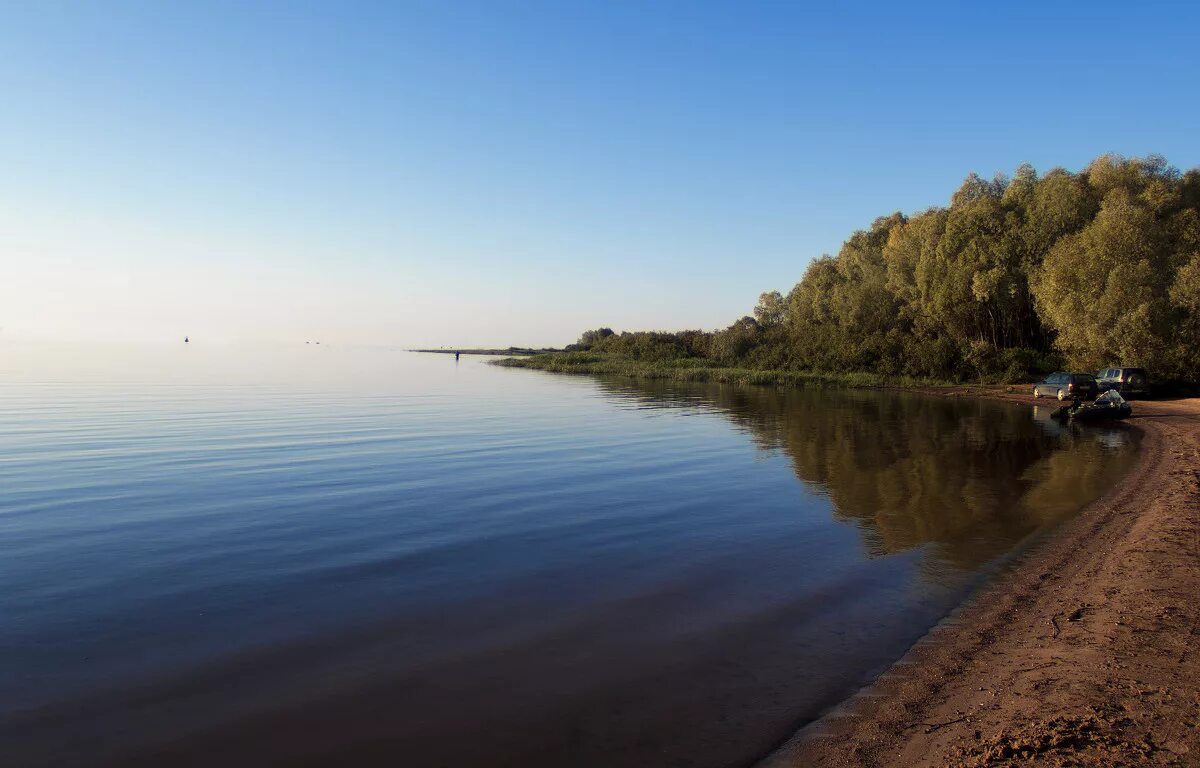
692,369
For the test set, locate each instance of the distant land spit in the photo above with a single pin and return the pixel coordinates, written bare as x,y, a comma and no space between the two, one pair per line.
508,351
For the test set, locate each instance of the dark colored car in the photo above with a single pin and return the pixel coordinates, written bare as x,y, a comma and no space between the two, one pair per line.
1127,381
1067,386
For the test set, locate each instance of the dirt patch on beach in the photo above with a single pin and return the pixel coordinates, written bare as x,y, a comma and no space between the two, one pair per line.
1087,652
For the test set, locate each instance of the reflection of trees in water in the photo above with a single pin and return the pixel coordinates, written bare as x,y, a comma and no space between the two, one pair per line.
970,477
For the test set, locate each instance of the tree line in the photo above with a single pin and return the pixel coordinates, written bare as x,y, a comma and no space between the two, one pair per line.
1013,278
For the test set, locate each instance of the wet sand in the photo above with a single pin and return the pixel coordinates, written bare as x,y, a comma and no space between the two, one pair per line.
1086,652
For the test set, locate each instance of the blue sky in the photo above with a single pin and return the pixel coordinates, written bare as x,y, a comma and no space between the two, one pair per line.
494,173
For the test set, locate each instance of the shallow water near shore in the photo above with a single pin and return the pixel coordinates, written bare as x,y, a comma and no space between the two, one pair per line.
321,555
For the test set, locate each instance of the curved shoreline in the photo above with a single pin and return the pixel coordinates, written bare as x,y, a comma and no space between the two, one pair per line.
1082,653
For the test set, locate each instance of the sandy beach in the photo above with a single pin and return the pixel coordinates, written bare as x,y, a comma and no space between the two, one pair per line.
1083,653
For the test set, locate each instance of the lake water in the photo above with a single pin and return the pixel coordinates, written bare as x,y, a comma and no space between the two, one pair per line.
317,555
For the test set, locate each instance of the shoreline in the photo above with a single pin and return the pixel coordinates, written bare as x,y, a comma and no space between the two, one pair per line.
690,370
1080,653
493,352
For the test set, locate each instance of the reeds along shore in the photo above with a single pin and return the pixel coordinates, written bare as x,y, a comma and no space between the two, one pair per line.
703,371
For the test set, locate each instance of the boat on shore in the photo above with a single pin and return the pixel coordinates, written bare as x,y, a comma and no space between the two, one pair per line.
1109,406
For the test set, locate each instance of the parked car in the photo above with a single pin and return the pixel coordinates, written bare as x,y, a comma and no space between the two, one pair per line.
1067,386
1127,381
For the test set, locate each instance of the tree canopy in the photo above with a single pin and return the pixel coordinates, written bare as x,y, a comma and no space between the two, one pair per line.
1013,277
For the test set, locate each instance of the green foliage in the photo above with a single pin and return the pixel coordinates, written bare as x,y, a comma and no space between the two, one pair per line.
1104,291
586,363
771,310
590,338
1012,279
1185,297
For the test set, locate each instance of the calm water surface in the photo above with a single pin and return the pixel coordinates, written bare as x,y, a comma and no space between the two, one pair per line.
315,555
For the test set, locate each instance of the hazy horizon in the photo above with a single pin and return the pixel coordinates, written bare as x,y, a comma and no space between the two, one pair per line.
487,175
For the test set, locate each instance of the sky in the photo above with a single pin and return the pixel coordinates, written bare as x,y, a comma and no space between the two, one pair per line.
495,173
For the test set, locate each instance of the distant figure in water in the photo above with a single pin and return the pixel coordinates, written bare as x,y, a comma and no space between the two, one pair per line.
456,357
185,339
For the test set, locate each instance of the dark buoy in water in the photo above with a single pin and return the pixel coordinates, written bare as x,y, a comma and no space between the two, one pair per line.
185,339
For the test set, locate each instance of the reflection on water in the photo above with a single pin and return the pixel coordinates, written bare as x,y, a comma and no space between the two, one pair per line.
969,476
351,557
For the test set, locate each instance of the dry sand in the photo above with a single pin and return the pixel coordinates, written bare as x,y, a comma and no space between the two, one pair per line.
1087,652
